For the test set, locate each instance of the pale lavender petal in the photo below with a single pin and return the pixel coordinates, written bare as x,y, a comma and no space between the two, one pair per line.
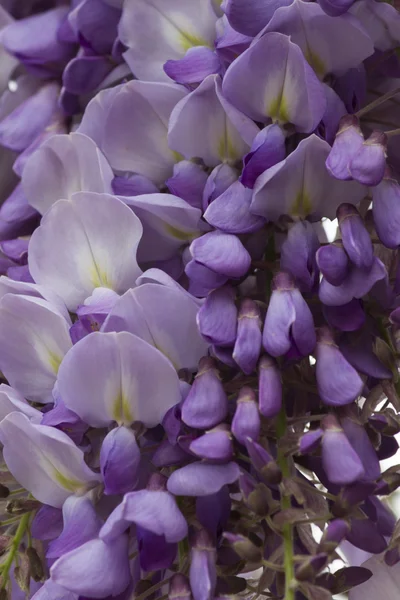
301,185
85,243
316,33
95,569
81,524
251,16
44,460
200,479
34,339
205,125
173,330
177,27
101,384
284,87
63,165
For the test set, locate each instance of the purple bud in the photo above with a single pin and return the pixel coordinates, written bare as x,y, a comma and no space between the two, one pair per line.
244,547
364,534
188,182
267,149
217,317
333,263
256,496
310,567
206,405
355,238
269,387
350,496
203,574
310,441
348,141
289,322
386,210
179,588
298,255
340,461
333,535
361,443
119,461
249,338
223,253
369,163
338,382
214,446
263,462
246,421
348,317
220,179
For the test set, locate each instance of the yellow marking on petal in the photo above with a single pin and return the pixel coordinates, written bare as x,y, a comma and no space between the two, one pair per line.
316,63
72,485
55,361
226,150
302,206
181,234
278,110
177,157
122,410
187,40
99,278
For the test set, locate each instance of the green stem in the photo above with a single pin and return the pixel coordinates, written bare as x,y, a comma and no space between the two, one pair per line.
392,132
19,534
153,589
287,530
377,102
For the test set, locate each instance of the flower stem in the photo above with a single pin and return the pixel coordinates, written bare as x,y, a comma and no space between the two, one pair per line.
392,132
287,530
377,102
19,534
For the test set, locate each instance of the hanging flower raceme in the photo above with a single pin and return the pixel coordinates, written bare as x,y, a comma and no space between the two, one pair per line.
199,298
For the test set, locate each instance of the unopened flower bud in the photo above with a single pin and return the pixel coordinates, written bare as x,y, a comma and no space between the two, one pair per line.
4,491
203,572
215,445
246,420
256,496
263,463
355,237
217,318
249,337
244,547
333,535
19,506
340,461
270,387
35,564
348,141
206,405
333,263
368,164
179,588
309,568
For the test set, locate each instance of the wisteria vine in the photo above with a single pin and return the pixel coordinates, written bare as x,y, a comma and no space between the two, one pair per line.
199,299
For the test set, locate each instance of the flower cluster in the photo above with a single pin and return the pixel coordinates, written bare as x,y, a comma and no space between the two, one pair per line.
198,384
